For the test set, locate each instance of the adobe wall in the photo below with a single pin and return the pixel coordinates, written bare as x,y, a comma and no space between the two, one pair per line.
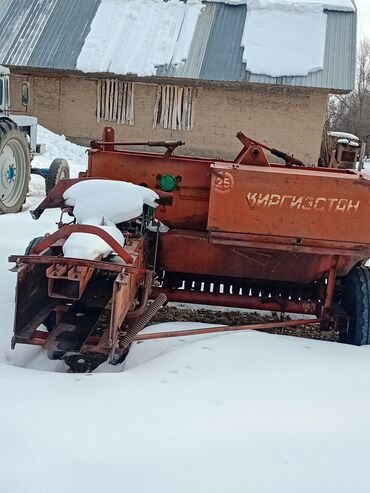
287,118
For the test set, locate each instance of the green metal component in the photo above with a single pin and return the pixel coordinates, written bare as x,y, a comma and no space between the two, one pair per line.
168,183
148,216
139,225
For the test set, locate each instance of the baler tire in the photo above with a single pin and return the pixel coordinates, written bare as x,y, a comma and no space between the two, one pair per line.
49,322
15,167
356,302
32,244
59,170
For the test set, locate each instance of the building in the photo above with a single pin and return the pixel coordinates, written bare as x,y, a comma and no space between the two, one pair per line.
195,71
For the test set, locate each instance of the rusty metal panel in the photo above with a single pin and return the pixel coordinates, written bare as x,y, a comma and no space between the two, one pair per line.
68,281
293,203
186,251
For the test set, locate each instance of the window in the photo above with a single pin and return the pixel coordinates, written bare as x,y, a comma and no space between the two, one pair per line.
174,108
115,101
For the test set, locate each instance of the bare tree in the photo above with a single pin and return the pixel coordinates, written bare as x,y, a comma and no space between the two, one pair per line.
351,113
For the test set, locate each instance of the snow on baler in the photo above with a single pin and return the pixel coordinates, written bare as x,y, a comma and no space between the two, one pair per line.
245,233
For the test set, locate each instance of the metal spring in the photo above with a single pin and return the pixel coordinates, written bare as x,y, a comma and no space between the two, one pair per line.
143,320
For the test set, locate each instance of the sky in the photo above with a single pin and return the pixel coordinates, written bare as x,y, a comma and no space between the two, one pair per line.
363,7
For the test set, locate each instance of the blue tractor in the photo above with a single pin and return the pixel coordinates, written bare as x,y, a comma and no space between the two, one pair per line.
18,146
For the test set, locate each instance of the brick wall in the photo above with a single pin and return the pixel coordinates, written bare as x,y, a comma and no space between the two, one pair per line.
287,118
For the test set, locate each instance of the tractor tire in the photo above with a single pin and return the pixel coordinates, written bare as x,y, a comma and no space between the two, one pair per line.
49,322
15,167
356,302
32,244
59,170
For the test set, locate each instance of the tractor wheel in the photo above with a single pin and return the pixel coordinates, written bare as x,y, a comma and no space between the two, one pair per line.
59,170
15,167
32,244
356,302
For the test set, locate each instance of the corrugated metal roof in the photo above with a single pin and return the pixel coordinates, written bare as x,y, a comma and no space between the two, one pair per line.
44,33
199,43
71,22
51,34
223,54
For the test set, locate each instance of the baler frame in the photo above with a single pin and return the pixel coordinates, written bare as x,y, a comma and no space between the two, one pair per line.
215,258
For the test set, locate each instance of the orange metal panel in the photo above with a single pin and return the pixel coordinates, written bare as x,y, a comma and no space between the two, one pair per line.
289,202
192,252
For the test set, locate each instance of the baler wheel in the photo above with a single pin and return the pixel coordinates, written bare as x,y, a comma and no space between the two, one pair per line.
83,363
356,302
32,244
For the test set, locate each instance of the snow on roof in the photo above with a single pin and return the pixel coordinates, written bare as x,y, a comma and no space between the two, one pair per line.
351,143
136,36
275,50
343,135
280,38
346,5
210,40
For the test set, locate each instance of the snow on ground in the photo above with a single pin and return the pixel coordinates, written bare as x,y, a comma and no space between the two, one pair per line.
229,412
235,412
56,147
